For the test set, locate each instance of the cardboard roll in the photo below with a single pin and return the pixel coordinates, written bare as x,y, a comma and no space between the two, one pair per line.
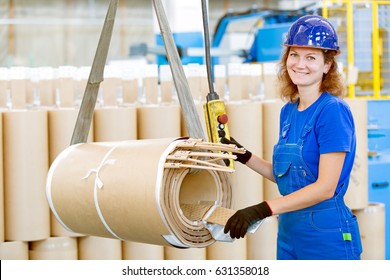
54,248
372,225
155,191
14,250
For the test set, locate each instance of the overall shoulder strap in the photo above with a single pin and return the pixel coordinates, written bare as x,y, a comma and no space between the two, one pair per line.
309,125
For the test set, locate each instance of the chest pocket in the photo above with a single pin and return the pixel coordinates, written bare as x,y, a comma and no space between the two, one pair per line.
289,177
282,178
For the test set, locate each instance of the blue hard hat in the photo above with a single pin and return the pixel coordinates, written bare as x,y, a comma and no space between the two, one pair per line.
312,31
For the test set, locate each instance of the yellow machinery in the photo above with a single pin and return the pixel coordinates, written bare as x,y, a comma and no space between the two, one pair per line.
363,27
214,108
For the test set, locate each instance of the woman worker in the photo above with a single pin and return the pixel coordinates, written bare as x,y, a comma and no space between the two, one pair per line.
313,158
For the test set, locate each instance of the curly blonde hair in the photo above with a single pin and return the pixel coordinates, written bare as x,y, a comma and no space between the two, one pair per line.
332,82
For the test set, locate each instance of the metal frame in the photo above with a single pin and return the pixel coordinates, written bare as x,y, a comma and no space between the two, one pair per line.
350,42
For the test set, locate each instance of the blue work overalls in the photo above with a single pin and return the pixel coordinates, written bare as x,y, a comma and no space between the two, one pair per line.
327,230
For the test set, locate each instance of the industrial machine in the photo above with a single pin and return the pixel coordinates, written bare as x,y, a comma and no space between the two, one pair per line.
269,24
379,160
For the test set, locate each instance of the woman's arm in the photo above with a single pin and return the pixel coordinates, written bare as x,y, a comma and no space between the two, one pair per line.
330,167
261,166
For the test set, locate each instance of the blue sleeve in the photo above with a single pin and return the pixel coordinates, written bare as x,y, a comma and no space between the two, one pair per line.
335,127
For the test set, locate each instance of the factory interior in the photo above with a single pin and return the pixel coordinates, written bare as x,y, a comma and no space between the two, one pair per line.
143,179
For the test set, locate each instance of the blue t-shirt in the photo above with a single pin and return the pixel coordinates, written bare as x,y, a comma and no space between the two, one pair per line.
333,131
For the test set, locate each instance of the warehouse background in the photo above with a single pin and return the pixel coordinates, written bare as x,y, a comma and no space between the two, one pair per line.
45,58
53,33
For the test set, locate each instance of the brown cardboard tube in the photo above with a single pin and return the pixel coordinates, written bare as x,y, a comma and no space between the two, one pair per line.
150,83
111,87
220,80
271,112
66,86
193,78
99,248
1,182
66,91
14,250
235,81
270,80
5,92
115,123
172,253
54,248
61,126
372,231
158,121
142,251
166,84
236,250
134,190
245,126
27,215
357,193
262,244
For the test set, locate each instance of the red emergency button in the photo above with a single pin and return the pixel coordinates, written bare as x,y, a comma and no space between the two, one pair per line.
222,118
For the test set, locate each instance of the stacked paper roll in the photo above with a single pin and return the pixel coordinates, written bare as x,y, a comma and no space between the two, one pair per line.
61,125
372,231
357,194
142,251
98,248
66,86
27,215
1,182
115,123
5,91
111,86
14,250
78,84
236,250
262,243
150,84
18,84
271,118
54,248
220,80
245,126
193,73
130,86
246,81
270,80
156,121
171,253
256,83
166,84
235,81
46,86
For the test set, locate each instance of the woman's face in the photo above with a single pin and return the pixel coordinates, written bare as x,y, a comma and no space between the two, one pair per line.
306,66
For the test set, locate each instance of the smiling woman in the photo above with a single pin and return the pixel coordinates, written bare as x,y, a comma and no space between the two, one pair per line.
314,155
306,68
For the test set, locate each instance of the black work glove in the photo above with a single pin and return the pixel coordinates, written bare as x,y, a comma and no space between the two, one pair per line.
238,223
243,158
